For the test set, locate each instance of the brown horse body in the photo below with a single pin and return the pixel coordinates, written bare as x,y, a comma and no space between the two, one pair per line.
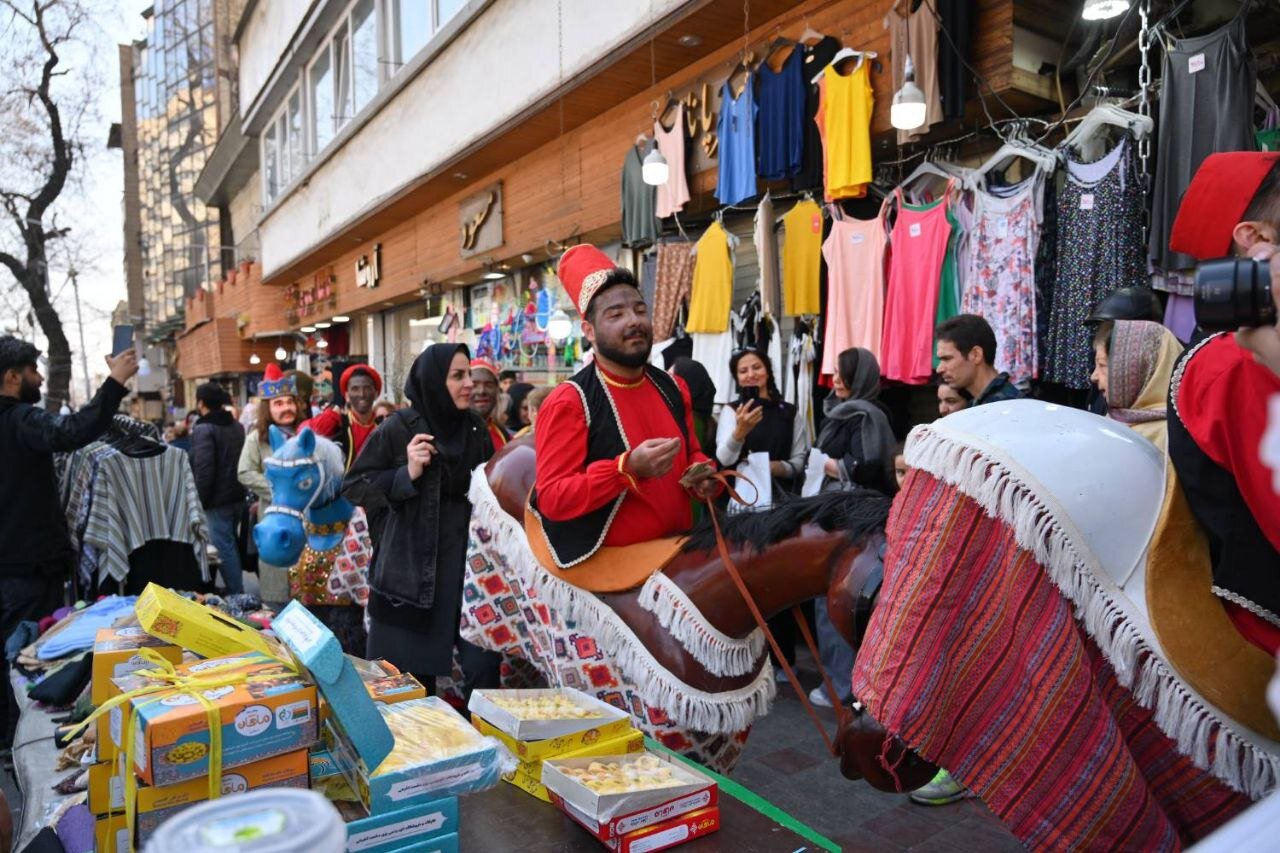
810,562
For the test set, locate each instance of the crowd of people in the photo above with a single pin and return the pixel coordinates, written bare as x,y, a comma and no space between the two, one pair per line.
625,451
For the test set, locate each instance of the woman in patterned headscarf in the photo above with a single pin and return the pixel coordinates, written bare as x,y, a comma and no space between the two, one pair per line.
1133,364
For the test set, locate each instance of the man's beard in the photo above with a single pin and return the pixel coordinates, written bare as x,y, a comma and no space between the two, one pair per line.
29,393
626,359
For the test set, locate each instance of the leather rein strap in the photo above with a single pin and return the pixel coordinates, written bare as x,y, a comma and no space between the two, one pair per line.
841,712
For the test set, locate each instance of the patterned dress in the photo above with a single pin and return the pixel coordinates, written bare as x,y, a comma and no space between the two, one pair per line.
1099,215
1001,284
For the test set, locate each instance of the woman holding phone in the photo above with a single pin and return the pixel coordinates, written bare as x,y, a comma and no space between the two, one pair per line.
759,421
413,475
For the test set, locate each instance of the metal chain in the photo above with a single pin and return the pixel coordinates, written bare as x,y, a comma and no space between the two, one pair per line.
1144,109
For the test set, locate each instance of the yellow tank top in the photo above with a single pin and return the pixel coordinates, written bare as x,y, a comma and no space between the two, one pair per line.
844,117
801,259
712,295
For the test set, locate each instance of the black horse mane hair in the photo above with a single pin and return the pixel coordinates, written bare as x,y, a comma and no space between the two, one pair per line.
859,514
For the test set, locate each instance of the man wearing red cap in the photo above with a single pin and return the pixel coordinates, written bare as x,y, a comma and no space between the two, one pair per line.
1219,395
484,399
360,386
614,441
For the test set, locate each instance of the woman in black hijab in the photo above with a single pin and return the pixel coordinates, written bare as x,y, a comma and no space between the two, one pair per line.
412,477
702,392
856,432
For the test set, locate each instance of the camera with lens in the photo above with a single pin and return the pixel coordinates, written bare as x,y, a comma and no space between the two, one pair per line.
1233,292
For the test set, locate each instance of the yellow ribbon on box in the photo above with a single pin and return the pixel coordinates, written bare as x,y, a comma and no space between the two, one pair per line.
191,685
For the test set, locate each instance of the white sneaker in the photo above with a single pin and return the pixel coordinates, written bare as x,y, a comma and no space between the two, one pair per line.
818,696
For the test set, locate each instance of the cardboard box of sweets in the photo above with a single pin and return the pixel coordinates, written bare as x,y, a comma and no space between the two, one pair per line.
209,633
437,754
443,844
269,712
659,836
539,715
157,804
115,654
623,793
538,750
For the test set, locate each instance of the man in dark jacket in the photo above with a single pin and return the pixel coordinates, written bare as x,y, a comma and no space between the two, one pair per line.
967,357
216,442
35,550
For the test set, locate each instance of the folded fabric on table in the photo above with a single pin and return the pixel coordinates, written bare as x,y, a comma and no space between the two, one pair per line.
80,632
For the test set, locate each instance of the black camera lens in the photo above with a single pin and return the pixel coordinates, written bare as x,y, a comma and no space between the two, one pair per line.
1233,292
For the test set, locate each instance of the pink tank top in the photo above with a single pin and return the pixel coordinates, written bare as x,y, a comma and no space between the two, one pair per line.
918,247
854,251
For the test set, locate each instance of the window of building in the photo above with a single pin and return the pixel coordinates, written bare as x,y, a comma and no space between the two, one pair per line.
270,170
446,9
296,136
413,27
364,52
320,100
342,94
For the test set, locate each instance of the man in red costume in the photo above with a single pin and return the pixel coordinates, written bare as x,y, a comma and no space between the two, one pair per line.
1219,395
360,386
484,399
615,441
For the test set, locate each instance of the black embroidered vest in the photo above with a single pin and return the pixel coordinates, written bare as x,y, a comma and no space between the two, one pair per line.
1246,568
574,541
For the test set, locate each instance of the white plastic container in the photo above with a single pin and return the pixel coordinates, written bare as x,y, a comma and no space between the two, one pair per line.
269,820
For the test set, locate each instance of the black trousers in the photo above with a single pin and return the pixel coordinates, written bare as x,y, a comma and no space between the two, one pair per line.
30,593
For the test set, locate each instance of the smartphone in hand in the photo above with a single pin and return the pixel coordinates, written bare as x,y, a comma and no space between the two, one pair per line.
121,338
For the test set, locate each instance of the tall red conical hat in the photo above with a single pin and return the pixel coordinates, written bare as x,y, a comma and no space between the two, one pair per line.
583,270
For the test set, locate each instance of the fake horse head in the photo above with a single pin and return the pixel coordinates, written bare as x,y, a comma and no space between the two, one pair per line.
681,652
305,473
1047,614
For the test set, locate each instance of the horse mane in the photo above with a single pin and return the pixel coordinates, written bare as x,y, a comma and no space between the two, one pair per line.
330,458
859,514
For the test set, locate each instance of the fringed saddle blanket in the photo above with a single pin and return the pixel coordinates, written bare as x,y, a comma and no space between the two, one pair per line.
974,658
511,604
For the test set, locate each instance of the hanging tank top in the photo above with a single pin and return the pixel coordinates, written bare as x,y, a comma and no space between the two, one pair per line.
919,247
712,294
854,251
845,103
674,194
802,259
737,129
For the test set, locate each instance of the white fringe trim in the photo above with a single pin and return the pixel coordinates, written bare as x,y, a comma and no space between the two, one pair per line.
721,654
714,713
1241,758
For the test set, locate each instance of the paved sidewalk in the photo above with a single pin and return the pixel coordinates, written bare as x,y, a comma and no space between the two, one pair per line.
786,762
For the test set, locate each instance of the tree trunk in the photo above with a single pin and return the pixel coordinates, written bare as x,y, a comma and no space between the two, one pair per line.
59,378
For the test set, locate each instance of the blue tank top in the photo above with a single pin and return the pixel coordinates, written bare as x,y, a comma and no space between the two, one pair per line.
737,130
780,123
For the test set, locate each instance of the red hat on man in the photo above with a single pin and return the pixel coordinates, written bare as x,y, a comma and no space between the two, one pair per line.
1217,197
356,370
484,364
583,270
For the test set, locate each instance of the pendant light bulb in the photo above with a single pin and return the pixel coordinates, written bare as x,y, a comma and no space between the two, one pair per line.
655,169
908,110
254,358
559,326
1100,10
281,353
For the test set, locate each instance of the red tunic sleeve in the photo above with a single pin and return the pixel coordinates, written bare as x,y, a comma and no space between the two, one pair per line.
326,423
567,486
1222,400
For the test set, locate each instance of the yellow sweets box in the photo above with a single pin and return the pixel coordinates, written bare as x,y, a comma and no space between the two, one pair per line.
207,632
269,711
537,750
106,786
115,654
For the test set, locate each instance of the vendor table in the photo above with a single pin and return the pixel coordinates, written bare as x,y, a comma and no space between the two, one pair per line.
504,818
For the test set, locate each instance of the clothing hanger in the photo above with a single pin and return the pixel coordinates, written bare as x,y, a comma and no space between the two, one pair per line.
847,53
1264,100
1011,150
809,33
662,111
926,169
779,41
1109,115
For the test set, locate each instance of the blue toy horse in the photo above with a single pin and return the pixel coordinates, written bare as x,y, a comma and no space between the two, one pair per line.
307,507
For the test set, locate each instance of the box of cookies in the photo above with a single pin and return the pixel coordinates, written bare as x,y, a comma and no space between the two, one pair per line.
436,754
660,836
528,774
616,794
534,715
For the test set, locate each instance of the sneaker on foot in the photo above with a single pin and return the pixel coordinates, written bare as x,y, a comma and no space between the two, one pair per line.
941,791
819,697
